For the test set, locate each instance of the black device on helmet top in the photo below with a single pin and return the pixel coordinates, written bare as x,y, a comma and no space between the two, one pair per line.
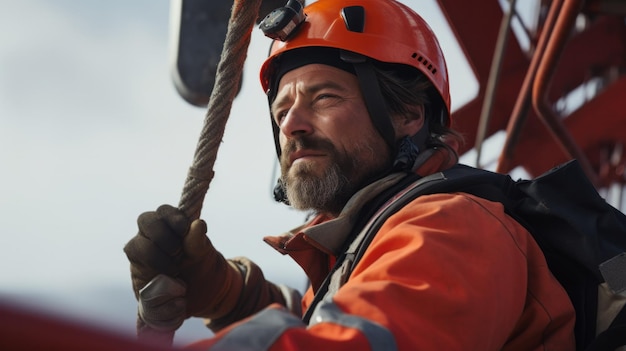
280,23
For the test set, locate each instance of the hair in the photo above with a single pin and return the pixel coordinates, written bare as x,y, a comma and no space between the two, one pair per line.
404,86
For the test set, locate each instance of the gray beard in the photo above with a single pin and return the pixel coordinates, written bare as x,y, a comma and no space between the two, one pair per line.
307,190
327,194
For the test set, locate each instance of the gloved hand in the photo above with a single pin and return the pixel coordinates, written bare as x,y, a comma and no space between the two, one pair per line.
168,244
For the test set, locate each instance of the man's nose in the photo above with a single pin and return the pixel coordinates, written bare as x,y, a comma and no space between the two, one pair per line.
297,122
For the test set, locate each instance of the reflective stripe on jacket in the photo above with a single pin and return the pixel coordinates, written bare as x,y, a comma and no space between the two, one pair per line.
447,271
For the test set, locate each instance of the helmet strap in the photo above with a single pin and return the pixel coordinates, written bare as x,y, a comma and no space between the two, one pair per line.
373,97
406,151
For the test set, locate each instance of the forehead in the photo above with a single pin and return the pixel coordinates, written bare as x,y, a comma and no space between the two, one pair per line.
316,73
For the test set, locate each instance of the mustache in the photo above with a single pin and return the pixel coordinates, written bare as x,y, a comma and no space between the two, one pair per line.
306,142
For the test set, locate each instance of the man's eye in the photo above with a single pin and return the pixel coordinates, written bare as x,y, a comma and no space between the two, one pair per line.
326,100
323,96
280,115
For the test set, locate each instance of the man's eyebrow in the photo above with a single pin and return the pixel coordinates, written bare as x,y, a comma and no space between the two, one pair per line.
310,89
329,84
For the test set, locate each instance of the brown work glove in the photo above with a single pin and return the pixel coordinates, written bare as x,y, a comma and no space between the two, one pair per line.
168,244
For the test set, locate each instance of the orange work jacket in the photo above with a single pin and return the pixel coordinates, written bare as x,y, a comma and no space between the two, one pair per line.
446,272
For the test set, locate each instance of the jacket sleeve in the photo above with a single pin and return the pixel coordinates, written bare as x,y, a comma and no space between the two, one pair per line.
256,294
447,272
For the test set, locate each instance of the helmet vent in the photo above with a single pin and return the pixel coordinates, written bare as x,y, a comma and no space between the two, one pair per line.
422,60
354,18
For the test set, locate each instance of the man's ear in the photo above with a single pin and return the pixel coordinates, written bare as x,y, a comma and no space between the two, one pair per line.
409,124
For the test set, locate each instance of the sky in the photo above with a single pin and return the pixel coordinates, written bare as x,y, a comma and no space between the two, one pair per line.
93,133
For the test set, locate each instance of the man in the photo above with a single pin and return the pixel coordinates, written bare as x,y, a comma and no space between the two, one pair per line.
360,105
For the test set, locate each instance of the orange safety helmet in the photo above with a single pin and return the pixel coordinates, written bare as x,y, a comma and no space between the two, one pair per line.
389,32
352,35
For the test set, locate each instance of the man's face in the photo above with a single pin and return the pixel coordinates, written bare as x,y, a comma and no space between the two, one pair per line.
330,148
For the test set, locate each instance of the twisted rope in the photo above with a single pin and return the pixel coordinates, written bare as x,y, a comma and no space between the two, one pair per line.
229,70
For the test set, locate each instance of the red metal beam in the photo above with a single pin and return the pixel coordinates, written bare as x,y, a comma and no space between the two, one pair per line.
23,329
476,29
598,123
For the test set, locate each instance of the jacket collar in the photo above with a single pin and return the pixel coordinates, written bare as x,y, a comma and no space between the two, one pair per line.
329,234
315,244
